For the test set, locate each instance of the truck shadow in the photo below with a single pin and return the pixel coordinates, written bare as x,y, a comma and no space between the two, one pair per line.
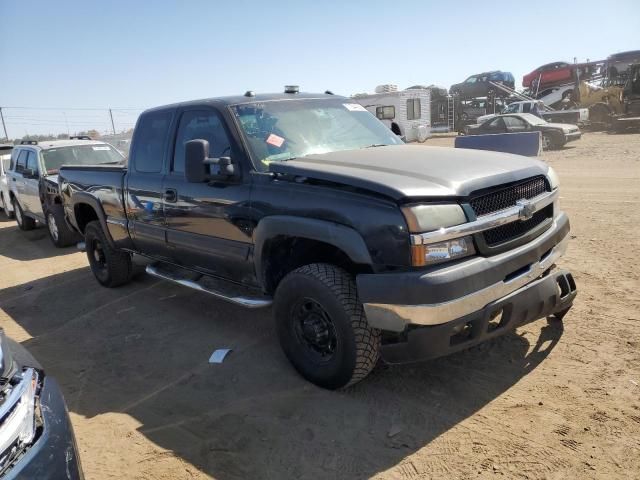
28,245
142,350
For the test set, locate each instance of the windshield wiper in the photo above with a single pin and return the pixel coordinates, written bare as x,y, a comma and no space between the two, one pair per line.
373,145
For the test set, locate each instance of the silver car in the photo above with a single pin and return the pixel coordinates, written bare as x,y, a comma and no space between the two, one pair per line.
5,202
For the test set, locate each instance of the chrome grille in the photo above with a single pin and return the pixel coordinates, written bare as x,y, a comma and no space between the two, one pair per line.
508,196
512,230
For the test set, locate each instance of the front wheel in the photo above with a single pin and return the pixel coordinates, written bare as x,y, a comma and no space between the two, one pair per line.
110,266
547,142
322,326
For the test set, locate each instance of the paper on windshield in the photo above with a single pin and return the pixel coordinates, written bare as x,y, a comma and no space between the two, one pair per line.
354,107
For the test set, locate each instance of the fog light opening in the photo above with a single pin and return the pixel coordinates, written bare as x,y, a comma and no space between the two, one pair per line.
461,333
496,320
564,286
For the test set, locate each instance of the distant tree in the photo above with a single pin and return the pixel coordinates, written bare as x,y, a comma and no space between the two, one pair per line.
95,134
62,136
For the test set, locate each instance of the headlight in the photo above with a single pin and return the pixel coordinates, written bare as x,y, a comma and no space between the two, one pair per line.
427,218
554,180
19,425
431,254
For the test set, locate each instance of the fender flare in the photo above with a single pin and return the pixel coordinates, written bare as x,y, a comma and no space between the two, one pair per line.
93,202
340,236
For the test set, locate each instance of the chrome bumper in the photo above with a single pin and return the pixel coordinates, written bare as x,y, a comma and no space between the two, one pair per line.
439,313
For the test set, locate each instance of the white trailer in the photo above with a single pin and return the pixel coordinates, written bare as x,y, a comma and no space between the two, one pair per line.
406,112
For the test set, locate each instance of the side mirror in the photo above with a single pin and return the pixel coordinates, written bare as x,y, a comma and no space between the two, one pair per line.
195,153
197,163
29,173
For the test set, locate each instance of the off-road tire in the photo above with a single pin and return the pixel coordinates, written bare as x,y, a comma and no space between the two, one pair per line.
65,236
3,203
547,142
24,223
357,344
115,268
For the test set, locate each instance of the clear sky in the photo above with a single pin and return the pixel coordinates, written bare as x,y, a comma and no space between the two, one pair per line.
67,54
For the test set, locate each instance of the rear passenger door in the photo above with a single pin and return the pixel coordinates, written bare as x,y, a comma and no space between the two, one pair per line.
17,181
145,176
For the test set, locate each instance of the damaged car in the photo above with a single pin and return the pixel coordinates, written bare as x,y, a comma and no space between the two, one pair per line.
36,437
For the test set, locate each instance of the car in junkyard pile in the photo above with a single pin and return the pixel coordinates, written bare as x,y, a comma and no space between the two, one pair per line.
548,75
36,437
554,135
484,84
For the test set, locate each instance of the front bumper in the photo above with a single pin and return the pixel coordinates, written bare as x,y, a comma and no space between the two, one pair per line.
541,298
429,309
447,292
570,137
54,454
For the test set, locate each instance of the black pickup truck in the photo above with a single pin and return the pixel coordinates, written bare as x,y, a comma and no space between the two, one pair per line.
366,247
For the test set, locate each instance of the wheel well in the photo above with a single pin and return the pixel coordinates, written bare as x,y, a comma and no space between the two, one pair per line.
284,254
84,214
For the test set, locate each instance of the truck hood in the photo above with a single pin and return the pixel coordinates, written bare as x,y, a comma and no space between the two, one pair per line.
403,172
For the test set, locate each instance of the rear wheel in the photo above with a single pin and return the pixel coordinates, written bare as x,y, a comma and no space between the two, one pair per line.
24,223
110,266
61,235
322,327
5,208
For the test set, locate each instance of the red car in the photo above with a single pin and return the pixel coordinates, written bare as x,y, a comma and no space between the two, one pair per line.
548,75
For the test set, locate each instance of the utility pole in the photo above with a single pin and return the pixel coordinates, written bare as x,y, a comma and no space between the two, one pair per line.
112,124
3,125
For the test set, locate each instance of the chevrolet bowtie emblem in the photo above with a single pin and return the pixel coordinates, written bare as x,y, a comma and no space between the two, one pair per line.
527,209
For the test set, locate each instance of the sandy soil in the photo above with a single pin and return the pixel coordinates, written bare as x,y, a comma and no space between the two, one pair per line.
542,402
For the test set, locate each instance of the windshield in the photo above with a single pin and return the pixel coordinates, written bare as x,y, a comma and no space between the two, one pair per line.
513,108
282,130
100,154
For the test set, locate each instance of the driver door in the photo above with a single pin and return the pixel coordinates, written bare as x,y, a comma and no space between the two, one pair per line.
207,223
31,192
495,126
515,124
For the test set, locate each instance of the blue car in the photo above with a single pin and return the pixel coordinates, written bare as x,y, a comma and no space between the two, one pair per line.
480,85
36,437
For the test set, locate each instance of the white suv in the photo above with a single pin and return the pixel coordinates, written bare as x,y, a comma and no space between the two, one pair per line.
33,181
5,203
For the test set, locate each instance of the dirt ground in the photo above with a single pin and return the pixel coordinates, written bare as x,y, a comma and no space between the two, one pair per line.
542,402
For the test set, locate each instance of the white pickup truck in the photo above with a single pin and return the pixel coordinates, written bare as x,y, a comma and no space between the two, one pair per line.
578,116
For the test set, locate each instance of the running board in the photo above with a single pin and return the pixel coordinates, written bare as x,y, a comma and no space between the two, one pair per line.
229,291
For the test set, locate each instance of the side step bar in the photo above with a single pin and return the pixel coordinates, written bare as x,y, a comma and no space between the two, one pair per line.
257,301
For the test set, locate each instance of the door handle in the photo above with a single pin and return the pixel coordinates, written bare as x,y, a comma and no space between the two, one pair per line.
170,195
